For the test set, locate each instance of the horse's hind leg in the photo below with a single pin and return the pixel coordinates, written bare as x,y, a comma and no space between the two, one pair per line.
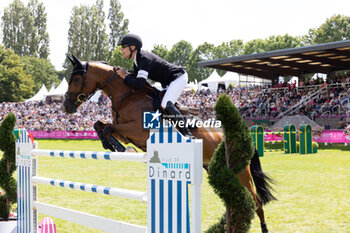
260,213
245,180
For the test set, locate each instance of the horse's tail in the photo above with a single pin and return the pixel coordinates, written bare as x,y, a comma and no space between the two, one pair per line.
261,180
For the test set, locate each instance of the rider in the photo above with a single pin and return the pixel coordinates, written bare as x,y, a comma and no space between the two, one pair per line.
148,65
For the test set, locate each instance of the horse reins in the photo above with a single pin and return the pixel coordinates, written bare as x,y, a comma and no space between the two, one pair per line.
82,97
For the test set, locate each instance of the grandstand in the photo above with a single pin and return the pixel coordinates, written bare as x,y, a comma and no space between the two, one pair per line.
326,104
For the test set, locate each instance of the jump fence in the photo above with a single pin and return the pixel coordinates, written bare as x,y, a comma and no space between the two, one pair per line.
174,164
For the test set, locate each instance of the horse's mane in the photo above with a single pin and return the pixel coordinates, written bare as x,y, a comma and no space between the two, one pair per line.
101,62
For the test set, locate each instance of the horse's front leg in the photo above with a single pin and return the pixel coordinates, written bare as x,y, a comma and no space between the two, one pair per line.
131,131
99,128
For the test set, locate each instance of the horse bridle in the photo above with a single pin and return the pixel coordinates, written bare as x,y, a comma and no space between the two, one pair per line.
82,97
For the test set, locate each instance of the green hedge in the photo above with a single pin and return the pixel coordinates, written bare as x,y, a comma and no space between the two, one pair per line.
7,166
230,158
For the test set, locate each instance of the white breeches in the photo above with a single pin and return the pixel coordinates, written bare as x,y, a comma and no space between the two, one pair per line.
174,90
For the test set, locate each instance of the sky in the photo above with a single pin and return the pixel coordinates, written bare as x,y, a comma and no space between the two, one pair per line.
197,21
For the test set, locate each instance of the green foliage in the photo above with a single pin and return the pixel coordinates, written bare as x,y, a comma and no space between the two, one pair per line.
271,43
42,71
15,84
87,38
236,133
228,49
117,59
230,158
118,25
160,50
180,53
24,29
7,165
335,28
202,53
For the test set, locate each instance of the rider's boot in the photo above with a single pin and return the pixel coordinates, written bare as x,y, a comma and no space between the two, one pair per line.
172,110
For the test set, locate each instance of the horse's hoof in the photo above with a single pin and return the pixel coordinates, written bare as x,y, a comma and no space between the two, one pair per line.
97,125
107,131
264,228
107,145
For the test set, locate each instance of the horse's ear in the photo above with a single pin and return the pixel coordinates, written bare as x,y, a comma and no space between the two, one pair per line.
77,61
71,60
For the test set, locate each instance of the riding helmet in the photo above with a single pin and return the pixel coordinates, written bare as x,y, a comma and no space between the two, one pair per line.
131,39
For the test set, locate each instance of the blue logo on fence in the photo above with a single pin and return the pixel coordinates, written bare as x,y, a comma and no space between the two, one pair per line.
151,120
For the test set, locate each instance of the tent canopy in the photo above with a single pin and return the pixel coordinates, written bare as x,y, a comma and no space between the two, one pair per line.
60,90
212,81
40,95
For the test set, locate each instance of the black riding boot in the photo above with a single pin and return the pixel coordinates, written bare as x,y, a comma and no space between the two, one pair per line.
172,110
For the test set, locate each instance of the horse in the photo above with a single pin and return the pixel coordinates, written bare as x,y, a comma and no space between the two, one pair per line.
128,106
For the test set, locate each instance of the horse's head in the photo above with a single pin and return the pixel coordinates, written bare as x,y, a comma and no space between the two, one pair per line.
81,85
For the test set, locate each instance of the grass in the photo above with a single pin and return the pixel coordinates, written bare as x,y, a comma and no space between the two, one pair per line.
313,191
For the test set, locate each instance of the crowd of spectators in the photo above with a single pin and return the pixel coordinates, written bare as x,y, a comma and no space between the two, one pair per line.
252,102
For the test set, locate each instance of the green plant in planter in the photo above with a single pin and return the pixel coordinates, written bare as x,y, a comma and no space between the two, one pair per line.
7,166
230,158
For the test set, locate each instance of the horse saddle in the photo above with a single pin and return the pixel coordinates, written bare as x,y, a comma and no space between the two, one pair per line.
157,97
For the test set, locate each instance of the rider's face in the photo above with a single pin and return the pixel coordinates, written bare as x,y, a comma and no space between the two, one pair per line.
126,51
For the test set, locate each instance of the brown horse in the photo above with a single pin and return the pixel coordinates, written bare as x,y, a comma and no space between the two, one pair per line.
127,111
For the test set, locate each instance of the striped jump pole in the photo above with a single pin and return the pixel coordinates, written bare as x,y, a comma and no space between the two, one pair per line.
174,165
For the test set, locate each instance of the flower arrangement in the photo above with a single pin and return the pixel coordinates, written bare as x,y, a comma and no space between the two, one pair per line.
317,131
347,130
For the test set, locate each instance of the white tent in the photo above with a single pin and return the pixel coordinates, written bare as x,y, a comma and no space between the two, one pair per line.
53,87
212,81
96,96
40,95
231,77
59,92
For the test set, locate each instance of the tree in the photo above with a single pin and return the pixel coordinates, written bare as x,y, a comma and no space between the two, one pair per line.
15,84
12,27
118,25
42,71
24,29
228,49
7,165
40,38
254,46
281,42
203,52
99,38
87,38
160,50
117,59
180,53
336,28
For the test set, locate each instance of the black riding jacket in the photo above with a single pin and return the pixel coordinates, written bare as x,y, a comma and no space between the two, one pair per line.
149,65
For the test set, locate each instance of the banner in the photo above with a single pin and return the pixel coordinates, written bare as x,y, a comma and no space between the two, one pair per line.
332,136
65,134
327,136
